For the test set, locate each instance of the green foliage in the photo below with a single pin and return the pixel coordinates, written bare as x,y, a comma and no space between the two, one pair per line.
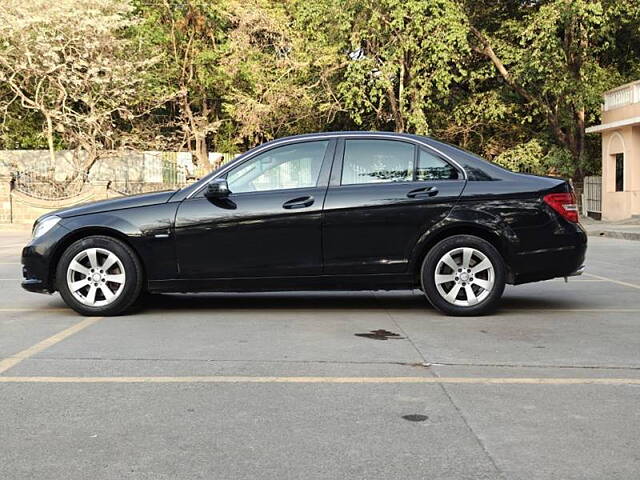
553,59
398,59
525,157
22,130
515,82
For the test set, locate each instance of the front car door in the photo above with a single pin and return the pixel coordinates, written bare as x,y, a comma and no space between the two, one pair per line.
268,226
383,196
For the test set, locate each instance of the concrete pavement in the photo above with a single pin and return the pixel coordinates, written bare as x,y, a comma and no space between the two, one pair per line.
529,413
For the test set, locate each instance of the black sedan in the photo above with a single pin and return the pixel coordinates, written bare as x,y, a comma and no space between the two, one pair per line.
345,211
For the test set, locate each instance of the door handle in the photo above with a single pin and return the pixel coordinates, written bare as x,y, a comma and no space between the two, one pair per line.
300,202
423,192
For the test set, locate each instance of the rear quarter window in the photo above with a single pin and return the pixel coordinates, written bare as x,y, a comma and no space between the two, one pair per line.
432,167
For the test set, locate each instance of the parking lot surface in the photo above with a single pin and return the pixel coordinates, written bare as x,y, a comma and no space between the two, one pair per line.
296,386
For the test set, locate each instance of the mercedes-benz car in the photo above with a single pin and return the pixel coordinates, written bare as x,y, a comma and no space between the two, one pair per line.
329,211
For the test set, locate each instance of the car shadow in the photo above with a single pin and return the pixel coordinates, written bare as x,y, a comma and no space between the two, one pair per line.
401,300
286,301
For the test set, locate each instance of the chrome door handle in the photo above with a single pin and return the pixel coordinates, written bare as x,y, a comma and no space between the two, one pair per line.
300,202
423,192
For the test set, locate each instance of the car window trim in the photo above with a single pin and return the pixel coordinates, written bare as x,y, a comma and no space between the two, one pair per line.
338,162
334,136
323,174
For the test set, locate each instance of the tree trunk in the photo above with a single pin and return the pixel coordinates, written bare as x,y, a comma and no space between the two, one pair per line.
201,152
578,175
52,152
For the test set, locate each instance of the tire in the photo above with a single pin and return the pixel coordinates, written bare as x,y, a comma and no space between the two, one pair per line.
476,291
95,291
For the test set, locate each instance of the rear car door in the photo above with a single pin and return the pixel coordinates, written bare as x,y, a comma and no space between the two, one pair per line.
384,194
268,226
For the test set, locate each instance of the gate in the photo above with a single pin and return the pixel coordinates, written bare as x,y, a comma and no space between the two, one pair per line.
592,196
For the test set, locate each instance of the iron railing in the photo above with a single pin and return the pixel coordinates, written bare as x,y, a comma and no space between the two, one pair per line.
592,195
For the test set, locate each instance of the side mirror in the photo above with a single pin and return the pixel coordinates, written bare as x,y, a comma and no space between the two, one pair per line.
217,188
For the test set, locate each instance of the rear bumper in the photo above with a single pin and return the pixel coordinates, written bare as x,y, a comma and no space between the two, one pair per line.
564,260
578,272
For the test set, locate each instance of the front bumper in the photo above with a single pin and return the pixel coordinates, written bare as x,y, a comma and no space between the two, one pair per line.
38,258
35,285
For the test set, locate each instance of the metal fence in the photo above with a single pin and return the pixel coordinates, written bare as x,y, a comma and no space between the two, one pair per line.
159,173
592,195
45,186
125,172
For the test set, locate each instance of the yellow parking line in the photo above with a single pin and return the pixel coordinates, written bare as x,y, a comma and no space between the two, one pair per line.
246,379
12,361
607,279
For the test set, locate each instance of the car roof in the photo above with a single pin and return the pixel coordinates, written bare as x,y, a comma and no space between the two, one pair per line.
468,160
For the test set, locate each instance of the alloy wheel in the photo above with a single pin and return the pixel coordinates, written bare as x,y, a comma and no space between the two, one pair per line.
96,277
464,276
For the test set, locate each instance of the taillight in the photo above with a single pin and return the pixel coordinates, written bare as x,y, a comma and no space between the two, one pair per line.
564,204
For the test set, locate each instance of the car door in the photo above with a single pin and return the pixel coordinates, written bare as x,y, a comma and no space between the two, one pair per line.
269,224
383,196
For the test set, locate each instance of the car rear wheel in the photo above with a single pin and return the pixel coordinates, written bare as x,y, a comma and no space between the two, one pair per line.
463,275
99,275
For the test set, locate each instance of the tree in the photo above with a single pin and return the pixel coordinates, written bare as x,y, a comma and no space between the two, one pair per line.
66,61
555,56
273,90
189,37
399,58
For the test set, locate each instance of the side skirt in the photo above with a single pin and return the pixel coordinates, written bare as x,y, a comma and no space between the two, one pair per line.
279,284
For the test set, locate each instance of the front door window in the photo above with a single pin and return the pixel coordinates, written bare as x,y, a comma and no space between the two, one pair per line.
290,166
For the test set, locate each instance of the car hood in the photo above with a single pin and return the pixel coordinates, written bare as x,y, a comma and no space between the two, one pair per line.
141,200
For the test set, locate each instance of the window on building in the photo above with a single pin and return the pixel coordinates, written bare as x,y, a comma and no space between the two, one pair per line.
619,172
372,161
432,167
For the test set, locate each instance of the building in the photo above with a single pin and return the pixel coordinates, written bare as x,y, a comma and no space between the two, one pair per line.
620,130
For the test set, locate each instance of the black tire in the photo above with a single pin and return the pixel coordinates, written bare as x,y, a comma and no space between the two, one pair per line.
132,270
428,271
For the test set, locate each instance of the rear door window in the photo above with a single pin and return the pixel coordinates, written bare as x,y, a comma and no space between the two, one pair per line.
377,161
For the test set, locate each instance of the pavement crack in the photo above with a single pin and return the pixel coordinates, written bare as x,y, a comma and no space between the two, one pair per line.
528,365
402,330
463,417
447,394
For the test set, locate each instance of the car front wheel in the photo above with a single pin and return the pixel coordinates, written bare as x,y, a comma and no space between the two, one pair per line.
463,275
99,275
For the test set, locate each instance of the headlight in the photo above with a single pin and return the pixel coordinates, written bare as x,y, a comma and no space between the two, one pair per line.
43,226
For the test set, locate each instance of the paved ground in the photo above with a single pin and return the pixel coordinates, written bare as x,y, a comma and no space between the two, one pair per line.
625,229
279,387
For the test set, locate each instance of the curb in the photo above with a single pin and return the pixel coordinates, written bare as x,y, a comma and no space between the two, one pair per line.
615,234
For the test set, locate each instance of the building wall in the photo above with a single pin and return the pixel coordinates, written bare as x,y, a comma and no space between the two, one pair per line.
621,205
